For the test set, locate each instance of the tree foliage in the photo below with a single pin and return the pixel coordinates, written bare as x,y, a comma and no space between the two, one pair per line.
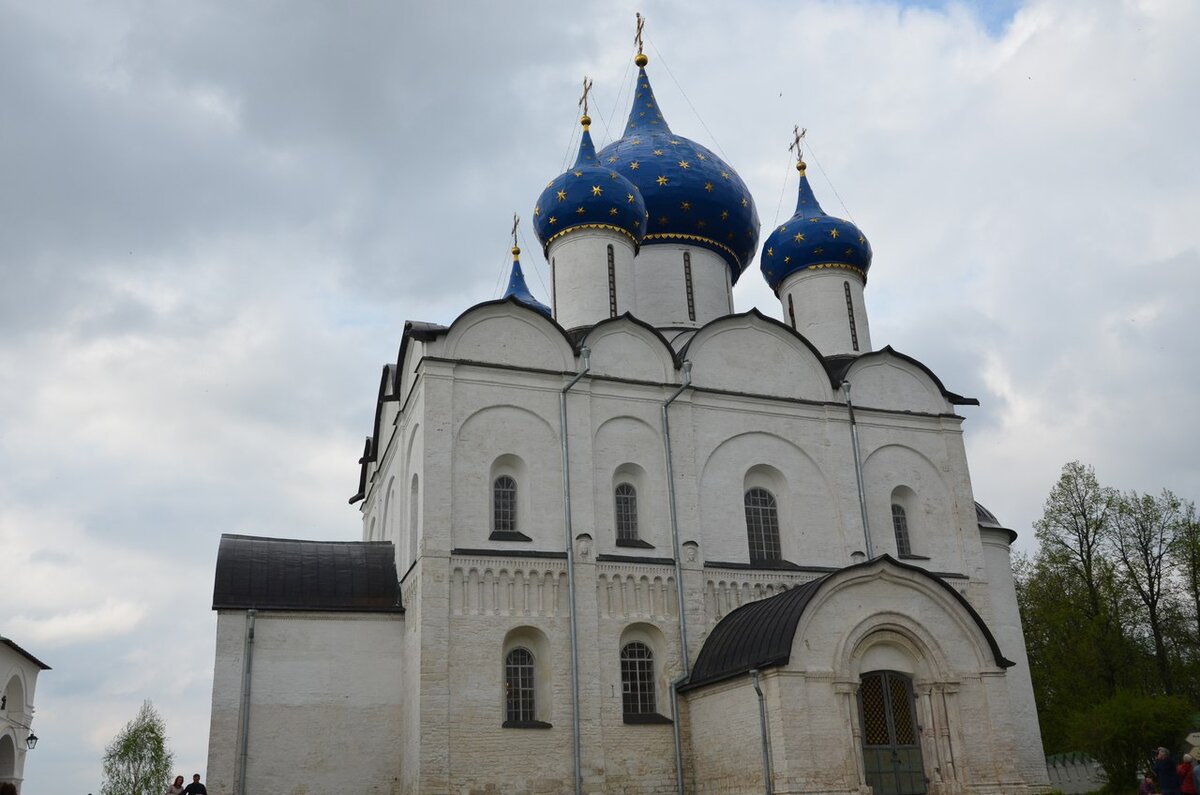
1121,731
1111,609
137,761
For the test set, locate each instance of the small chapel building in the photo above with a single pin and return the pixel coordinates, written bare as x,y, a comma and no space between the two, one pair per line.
635,542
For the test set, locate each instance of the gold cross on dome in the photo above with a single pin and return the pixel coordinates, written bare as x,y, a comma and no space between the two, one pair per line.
583,99
797,144
516,223
637,37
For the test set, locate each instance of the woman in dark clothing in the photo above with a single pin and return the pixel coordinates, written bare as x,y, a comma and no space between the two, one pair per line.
1164,771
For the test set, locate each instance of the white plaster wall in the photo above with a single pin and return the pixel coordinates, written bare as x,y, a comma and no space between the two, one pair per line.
1005,623
632,441
580,276
623,349
662,288
325,703
819,301
512,335
885,381
749,353
18,680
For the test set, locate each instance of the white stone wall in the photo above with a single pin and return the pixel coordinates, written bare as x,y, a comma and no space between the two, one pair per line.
326,703
818,301
579,269
662,288
18,683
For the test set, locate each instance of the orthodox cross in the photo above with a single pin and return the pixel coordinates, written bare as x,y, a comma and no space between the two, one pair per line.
587,89
637,38
797,144
516,222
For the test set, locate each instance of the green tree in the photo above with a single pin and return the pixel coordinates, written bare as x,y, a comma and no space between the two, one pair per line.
1119,733
1145,534
137,761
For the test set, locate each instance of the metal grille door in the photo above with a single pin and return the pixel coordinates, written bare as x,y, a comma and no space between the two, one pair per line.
891,742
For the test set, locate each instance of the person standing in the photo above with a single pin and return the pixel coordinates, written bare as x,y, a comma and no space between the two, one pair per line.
177,787
1187,783
196,788
1164,771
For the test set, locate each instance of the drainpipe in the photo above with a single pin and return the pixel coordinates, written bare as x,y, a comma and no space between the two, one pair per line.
768,785
586,354
244,741
666,424
678,554
678,739
858,471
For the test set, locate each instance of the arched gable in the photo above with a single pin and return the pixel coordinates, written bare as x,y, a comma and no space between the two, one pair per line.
931,519
828,624
625,347
887,379
508,332
630,445
757,354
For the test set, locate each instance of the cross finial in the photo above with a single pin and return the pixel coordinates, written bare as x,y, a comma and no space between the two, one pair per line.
637,38
797,146
515,248
583,99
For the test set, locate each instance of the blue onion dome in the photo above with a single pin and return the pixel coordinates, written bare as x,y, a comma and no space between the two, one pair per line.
589,196
813,239
518,289
692,195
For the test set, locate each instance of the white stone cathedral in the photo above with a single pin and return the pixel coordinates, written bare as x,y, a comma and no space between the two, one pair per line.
635,542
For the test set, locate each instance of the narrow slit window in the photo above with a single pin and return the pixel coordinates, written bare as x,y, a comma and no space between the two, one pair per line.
518,686
792,311
687,279
637,679
850,313
625,496
553,287
612,283
762,526
900,526
504,505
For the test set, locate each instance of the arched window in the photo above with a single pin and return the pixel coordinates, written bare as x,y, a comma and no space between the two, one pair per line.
414,518
900,526
504,505
637,679
625,496
518,686
762,526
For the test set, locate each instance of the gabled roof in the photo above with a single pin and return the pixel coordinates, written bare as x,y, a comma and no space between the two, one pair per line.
5,641
760,634
286,574
840,364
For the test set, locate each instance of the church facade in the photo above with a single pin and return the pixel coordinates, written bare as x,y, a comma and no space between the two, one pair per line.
635,542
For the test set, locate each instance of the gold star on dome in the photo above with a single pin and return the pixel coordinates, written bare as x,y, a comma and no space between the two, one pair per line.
818,250
861,240
634,165
661,180
799,238
744,202
684,164
612,158
550,183
596,190
577,173
685,206
612,210
701,156
553,220
708,186
729,236
537,211
662,219
724,215
612,175
643,113
833,233
629,198
849,251
701,224
658,152
580,211
786,260
782,229
770,252
636,141
724,175
562,195
649,104
813,220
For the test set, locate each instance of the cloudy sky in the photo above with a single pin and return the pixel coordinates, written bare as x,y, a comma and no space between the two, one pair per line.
215,218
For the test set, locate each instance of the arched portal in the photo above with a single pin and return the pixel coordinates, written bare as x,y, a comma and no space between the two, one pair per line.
891,745
8,758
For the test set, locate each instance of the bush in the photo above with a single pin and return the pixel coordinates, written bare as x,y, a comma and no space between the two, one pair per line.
1121,732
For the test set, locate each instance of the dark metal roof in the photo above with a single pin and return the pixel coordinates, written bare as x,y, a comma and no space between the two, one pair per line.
988,521
286,574
760,634
24,653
